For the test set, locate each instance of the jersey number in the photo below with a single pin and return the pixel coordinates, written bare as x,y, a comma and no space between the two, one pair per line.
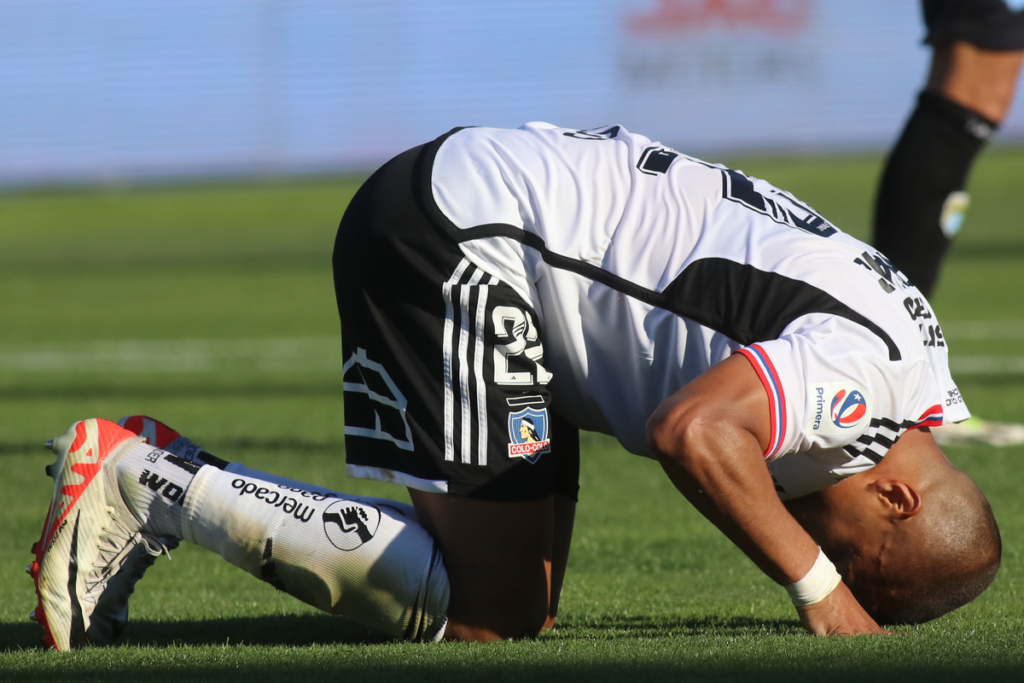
516,324
781,206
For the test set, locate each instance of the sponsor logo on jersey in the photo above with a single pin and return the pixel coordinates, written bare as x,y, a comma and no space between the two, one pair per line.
349,524
848,408
528,434
953,397
837,408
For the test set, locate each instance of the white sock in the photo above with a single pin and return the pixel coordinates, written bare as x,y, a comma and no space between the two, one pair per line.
153,483
192,452
356,557
403,509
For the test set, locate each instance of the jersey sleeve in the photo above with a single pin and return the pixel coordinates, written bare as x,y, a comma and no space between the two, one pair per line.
831,385
778,411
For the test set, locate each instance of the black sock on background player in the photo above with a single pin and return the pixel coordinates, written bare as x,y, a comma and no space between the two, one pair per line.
920,200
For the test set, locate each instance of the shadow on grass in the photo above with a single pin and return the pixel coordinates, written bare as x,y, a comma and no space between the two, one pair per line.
322,629
625,626
285,630
351,671
304,647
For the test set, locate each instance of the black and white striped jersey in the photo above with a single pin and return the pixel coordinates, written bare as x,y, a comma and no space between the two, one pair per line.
646,266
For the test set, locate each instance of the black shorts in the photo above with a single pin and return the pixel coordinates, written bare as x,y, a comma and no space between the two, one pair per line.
444,389
987,24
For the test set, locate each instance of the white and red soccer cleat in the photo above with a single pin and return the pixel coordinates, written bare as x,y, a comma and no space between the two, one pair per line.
110,615
88,532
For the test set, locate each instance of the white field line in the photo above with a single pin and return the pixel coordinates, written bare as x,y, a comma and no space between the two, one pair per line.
284,354
986,365
983,329
299,354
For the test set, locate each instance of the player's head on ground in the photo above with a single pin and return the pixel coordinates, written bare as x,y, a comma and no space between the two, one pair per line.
913,537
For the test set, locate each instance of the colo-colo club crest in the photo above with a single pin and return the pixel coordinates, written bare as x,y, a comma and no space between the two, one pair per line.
528,434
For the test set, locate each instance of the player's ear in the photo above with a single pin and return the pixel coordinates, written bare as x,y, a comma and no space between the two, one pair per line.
900,500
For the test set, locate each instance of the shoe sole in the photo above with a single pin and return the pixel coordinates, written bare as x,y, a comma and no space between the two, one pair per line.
60,447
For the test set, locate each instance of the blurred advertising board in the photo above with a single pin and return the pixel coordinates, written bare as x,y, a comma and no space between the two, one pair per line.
113,90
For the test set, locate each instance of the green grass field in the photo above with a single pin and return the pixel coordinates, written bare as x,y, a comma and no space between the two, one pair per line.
212,308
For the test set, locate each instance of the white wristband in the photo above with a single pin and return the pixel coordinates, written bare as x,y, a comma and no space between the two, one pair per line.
816,585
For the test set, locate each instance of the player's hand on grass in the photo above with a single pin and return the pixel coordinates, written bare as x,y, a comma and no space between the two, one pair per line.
839,614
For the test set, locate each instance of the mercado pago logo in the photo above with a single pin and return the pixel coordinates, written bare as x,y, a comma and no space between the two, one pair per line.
349,524
837,407
528,434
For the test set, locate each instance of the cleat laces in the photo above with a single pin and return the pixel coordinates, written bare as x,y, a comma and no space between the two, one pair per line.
113,547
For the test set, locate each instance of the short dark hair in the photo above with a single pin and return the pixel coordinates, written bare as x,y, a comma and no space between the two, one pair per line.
942,562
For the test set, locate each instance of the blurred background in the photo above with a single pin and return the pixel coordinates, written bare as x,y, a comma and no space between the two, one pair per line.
114,90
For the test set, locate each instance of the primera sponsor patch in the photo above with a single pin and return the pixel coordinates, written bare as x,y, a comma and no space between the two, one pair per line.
837,408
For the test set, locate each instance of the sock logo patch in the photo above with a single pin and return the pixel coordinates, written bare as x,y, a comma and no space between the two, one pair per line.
349,524
168,489
287,504
953,211
189,467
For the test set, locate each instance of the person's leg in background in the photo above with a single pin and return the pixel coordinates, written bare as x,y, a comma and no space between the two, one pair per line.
977,52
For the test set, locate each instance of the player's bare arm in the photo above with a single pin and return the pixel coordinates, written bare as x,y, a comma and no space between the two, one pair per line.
710,438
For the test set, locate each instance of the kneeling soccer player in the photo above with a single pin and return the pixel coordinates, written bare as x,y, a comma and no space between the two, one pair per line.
501,289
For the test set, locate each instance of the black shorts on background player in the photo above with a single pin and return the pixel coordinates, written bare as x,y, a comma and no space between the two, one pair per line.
441,390
988,24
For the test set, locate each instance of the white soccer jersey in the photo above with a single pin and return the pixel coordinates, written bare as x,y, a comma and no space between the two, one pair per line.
647,266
